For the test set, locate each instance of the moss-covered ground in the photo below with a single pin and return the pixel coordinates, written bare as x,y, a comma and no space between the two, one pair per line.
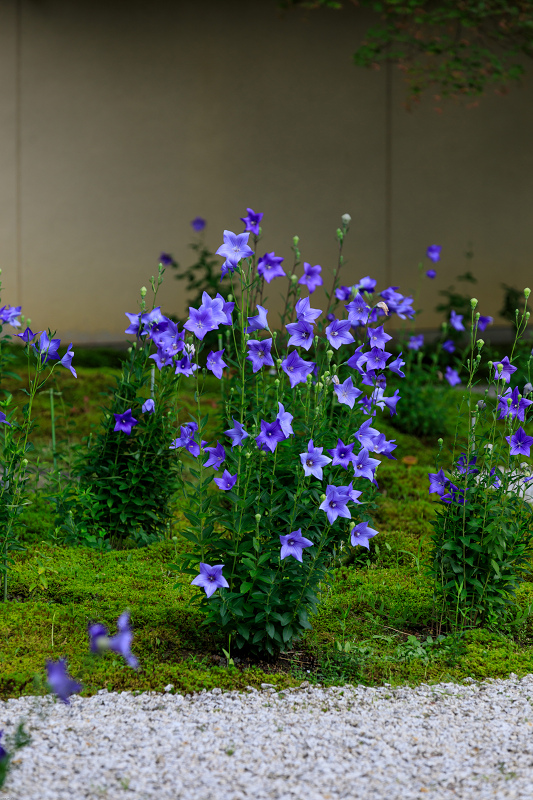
375,624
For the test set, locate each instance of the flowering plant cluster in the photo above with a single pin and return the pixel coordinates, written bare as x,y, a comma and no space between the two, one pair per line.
291,479
483,533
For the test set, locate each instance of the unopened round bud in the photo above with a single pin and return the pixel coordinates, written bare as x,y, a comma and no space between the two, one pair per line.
480,343
24,462
174,538
246,337
481,404
351,525
294,278
473,302
527,292
334,368
319,386
346,219
295,240
258,517
315,339
264,453
28,320
340,235
129,350
278,363
329,354
528,315
274,334
326,374
276,383
230,298
322,497
143,291
500,368
478,315
247,454
440,442
528,389
309,378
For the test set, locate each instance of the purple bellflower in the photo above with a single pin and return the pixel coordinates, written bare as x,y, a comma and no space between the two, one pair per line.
27,336
3,751
358,310
125,422
347,393
187,439
454,495
227,481
433,252
452,376
200,322
366,435
235,248
506,371
293,545
237,434
343,293
416,342
438,482
456,321
431,273
46,348
148,407
361,534
339,333
210,578
364,466
60,681
376,358
311,277
313,461
9,314
285,419
296,368
259,322
271,435
184,366
396,366
259,353
464,468
520,443
217,455
166,260
198,224
66,361
342,454
215,362
378,337
269,266
483,322
357,360
252,220
304,312
301,334
449,346
335,504
516,408
3,419
367,284
381,401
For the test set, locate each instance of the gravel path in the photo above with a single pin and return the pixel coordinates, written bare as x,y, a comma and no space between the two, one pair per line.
443,741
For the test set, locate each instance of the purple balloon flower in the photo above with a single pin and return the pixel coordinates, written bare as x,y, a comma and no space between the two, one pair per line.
342,454
361,534
367,284
252,221
269,266
366,435
416,342
437,482
187,439
301,334
46,348
296,368
293,545
452,376
449,346
237,434
376,358
215,362
304,312
520,443
198,224
456,321
259,353
339,333
200,321
378,337
217,455
467,468
343,293
358,310
148,407
270,436
210,578
285,419
60,681
125,422
27,336
235,248
166,260
431,273
259,322
335,504
66,361
433,252
227,481
184,366
311,277
396,366
347,393
506,371
313,460
364,466
483,322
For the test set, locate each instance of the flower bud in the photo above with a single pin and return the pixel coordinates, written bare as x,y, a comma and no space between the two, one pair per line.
24,462
528,389
478,315
274,334
334,368
128,351
295,240
278,363
246,337
346,219
319,386
230,298
528,315
473,302
351,526
340,235
329,355
322,497
481,404
527,292
309,378
258,517
336,381
326,374
500,368
480,343
294,278
264,453
276,383
143,291
440,442
247,454
315,339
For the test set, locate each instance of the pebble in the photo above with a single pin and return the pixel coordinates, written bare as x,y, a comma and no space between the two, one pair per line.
469,740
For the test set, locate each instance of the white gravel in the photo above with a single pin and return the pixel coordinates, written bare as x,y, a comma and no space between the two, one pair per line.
442,741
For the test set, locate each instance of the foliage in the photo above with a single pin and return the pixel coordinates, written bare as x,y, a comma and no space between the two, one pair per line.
456,50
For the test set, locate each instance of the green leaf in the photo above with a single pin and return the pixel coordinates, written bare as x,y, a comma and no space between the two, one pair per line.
245,587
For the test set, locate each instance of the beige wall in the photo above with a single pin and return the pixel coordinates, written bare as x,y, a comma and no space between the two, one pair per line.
121,121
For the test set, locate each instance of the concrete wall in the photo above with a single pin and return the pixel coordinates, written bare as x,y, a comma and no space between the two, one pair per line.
121,121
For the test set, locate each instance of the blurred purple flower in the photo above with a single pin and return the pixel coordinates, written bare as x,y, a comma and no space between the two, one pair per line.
416,342
198,224
456,321
166,260
66,361
367,284
148,407
431,273
60,681
269,266
483,322
9,314
449,346
46,349
452,376
433,252
311,277
252,221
